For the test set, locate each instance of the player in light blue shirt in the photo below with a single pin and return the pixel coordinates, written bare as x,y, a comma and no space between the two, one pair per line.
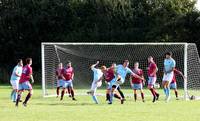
169,66
97,81
121,72
15,77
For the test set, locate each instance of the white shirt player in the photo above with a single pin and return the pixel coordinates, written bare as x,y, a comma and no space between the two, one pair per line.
18,70
97,74
14,80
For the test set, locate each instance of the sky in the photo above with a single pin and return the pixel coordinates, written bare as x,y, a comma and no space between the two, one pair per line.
198,4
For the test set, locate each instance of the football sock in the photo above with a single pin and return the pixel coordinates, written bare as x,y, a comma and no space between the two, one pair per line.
95,99
15,96
120,92
176,93
12,95
165,91
18,99
72,92
57,91
142,95
135,97
108,97
62,94
111,97
168,91
27,98
153,92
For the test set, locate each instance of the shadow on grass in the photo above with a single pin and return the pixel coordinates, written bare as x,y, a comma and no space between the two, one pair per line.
66,104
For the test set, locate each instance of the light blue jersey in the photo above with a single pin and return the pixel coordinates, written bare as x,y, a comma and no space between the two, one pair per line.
169,64
18,70
97,74
123,71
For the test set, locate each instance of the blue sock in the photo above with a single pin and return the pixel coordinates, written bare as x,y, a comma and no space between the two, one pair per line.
168,91
95,99
111,97
12,95
15,96
165,91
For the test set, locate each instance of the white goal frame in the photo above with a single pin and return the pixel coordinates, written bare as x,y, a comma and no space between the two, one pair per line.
87,43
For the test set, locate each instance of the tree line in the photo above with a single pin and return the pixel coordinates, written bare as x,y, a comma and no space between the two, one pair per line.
24,24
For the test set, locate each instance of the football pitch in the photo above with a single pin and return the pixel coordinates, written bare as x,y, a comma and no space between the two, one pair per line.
52,109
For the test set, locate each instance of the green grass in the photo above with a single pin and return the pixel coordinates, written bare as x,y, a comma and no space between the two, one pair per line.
52,109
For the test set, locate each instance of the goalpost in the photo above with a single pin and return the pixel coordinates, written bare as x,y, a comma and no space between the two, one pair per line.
82,55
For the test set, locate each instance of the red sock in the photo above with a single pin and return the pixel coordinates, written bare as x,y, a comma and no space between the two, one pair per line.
57,90
27,98
153,92
142,95
176,93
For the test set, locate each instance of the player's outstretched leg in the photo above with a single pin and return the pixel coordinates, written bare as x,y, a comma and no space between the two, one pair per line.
94,97
120,92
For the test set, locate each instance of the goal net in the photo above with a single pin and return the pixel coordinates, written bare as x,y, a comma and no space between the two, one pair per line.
82,55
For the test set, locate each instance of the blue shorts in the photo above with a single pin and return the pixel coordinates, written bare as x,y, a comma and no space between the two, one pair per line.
137,86
151,81
173,85
59,83
112,83
25,86
66,84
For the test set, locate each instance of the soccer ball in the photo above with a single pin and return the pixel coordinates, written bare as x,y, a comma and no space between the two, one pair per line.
99,84
157,85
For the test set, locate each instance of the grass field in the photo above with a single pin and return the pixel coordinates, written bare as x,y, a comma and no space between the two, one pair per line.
52,109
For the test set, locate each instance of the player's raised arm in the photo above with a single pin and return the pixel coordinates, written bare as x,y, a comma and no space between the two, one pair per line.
92,66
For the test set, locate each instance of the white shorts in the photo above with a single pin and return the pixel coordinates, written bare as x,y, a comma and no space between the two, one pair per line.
15,84
168,77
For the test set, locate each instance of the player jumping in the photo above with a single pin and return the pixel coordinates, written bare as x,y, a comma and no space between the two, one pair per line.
67,75
169,65
109,76
15,77
121,72
97,74
152,70
24,83
137,83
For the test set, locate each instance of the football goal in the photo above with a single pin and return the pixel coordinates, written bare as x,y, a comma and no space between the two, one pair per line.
82,55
